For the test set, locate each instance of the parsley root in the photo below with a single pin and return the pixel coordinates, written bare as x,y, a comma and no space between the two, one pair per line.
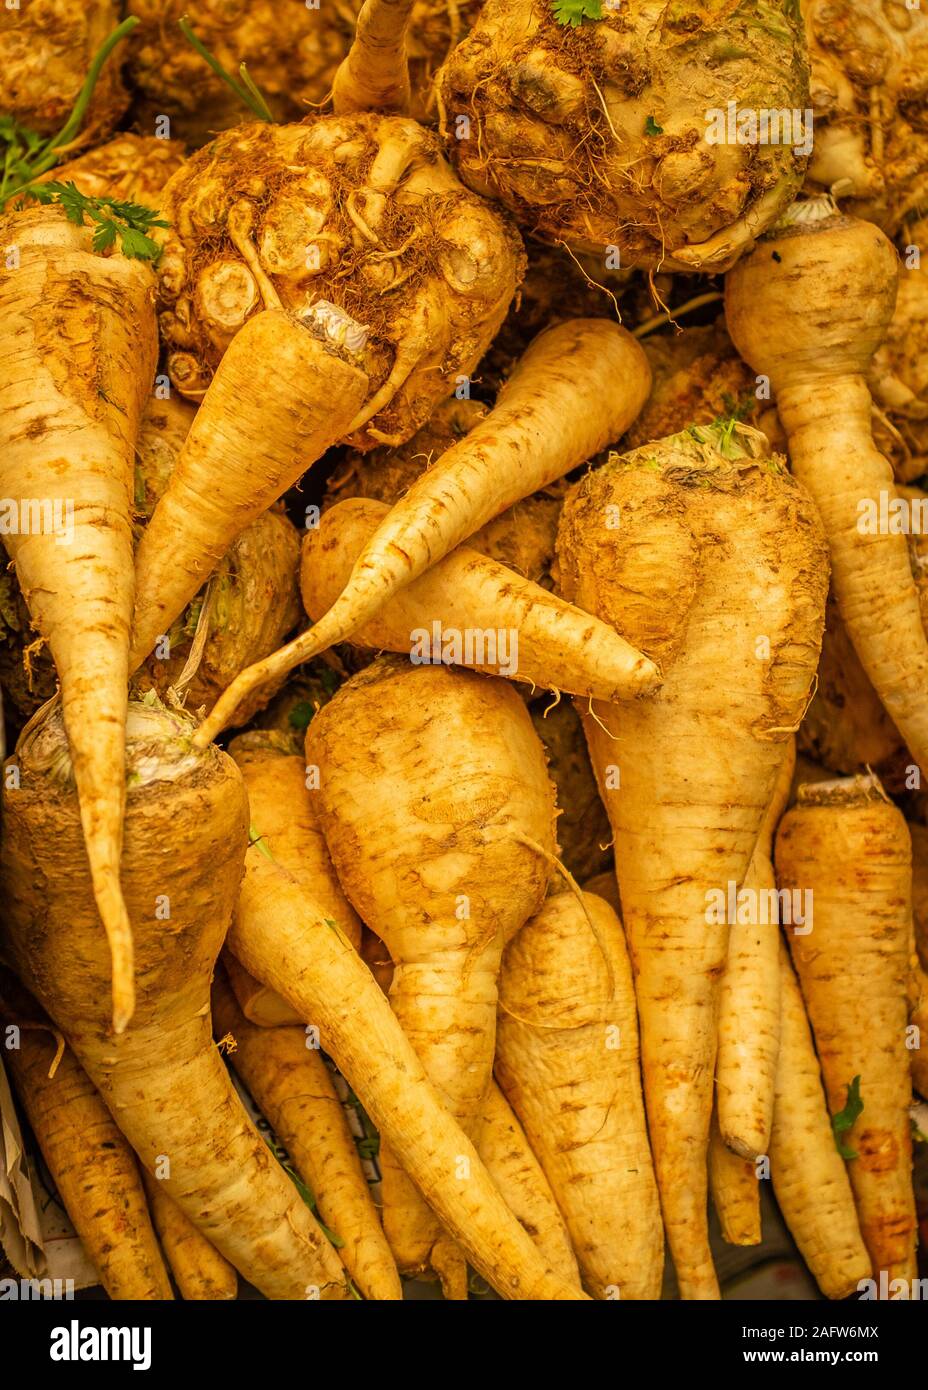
686,776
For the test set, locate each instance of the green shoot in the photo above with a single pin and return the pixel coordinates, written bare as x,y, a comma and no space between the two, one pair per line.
245,90
259,842
27,155
846,1118
112,219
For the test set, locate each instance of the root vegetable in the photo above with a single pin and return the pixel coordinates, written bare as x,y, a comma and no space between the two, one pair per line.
289,943
749,1000
604,135
299,845
91,1163
186,830
78,336
816,349
559,407
292,52
252,601
698,378
503,1147
810,1178
517,629
520,1178
46,47
918,1019
199,1270
384,474
374,75
848,845
250,607
291,1085
735,1188
131,168
846,727
604,886
899,374
258,1004
705,518
437,810
314,392
357,212
567,1060
522,538
868,93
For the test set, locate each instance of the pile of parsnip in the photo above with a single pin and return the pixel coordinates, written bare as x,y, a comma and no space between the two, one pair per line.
464,644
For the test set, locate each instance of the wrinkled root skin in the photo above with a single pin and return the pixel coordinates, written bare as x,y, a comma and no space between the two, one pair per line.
361,211
596,136
427,780
868,89
712,552
848,845
45,50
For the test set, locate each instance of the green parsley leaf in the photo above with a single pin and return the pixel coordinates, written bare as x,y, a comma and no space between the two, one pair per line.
574,12
130,222
846,1118
652,128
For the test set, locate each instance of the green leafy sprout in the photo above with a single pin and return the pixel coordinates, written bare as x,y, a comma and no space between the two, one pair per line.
574,12
112,219
26,156
846,1118
245,88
